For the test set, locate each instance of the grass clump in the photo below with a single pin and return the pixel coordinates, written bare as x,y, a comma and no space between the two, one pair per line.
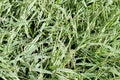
59,39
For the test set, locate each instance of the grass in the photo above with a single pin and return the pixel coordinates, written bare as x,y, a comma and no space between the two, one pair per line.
59,39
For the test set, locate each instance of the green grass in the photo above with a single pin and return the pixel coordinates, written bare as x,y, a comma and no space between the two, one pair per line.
60,39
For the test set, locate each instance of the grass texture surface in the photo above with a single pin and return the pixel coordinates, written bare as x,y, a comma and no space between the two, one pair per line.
59,39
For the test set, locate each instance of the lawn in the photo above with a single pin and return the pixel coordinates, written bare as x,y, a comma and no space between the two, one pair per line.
59,39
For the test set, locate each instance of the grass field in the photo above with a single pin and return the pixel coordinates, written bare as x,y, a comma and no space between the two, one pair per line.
59,39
